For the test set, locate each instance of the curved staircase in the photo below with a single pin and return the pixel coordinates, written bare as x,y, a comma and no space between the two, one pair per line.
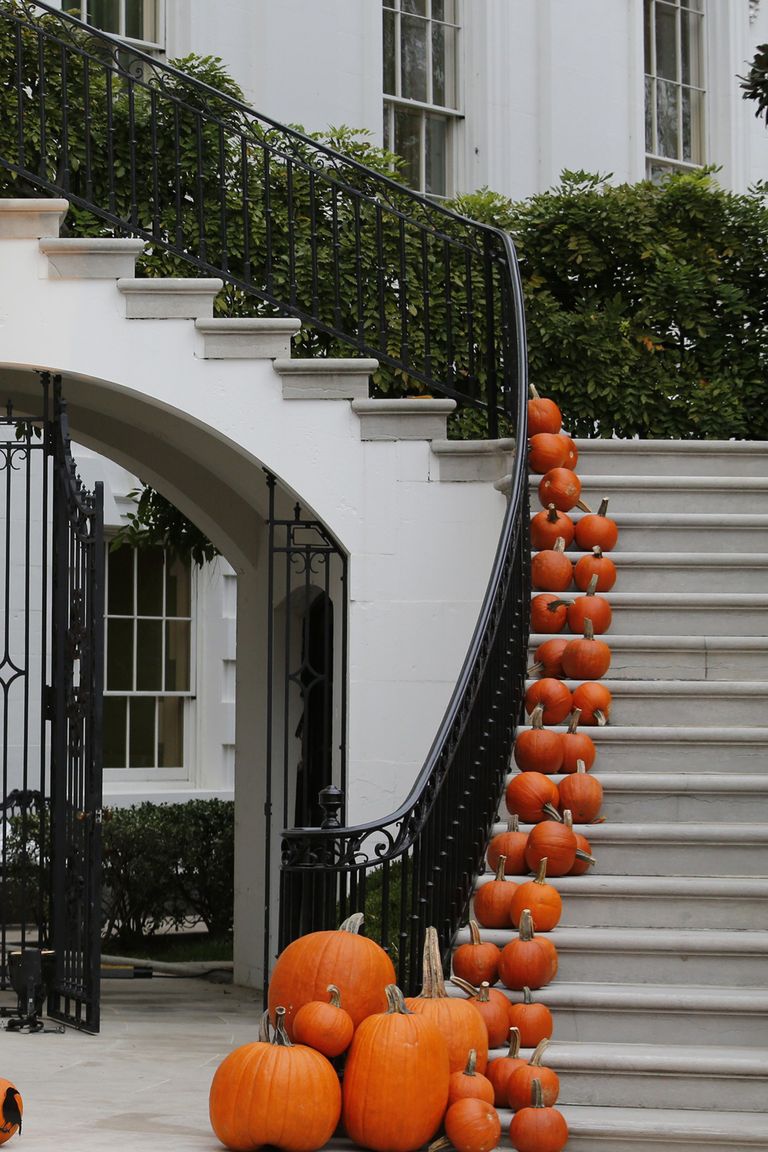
661,999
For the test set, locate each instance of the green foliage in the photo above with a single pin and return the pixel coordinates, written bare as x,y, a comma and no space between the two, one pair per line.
157,522
755,83
646,308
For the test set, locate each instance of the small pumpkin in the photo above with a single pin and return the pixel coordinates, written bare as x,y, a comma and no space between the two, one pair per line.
511,845
492,1006
11,1110
584,858
549,450
253,1098
519,1084
469,1083
478,960
561,487
590,606
576,745
548,524
457,1020
491,901
586,658
548,657
324,1025
595,702
597,528
396,1078
536,749
543,415
551,569
538,1128
501,1068
543,899
529,961
470,1126
533,797
595,564
554,842
532,1020
555,697
582,794
548,612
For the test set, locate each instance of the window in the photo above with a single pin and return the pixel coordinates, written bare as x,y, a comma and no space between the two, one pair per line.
674,84
420,89
148,661
135,20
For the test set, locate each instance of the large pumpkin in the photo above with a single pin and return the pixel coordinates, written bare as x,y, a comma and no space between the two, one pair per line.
11,1110
359,967
274,1092
396,1079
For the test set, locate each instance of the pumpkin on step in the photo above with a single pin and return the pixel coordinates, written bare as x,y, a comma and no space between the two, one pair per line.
533,797
554,842
576,745
519,1083
548,524
543,899
561,487
492,1006
493,898
551,569
529,961
595,702
551,450
538,749
478,960
469,1083
324,1025
500,1069
548,657
582,794
590,606
595,565
548,612
543,414
511,845
538,1128
553,695
470,1126
586,658
597,528
533,1021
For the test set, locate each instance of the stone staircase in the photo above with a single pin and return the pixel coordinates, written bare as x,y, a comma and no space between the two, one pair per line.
661,999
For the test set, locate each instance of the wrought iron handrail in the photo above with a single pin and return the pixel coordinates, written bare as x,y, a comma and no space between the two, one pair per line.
159,154
436,298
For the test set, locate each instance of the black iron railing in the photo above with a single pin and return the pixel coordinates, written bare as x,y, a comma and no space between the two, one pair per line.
373,268
370,268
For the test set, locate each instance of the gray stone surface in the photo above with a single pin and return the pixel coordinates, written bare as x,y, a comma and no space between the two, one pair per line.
473,460
414,418
233,338
91,258
169,299
325,379
22,219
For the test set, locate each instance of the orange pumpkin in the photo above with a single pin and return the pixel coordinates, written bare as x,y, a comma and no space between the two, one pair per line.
595,701
396,1079
576,745
551,569
555,697
469,1083
510,844
543,415
492,900
589,607
11,1110
253,1098
457,1020
584,858
492,1006
537,749
543,900
358,966
595,564
500,1069
533,797
548,612
561,487
529,961
547,450
472,1126
548,657
582,794
597,528
324,1025
538,1128
533,1021
519,1084
556,843
548,524
478,960
586,658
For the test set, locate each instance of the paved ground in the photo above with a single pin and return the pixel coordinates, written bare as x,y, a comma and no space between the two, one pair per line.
142,1083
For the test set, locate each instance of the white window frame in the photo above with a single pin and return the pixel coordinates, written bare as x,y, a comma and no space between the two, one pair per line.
656,162
184,771
150,45
451,115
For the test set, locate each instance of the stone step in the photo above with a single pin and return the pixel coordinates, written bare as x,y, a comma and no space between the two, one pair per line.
599,901
686,571
676,702
632,1013
672,457
91,257
646,956
723,749
683,613
325,379
634,797
704,494
689,531
680,657
658,1076
594,1129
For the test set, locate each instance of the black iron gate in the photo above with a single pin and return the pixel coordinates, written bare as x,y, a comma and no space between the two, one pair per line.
51,581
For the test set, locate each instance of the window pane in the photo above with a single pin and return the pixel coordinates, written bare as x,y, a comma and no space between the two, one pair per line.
114,732
120,655
436,158
691,30
140,19
142,732
667,142
178,587
389,53
170,735
413,58
647,39
149,655
443,66
177,656
419,7
408,145
650,143
149,597
692,126
444,10
104,14
666,42
120,578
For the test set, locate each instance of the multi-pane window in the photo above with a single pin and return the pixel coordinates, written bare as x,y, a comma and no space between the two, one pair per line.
148,658
420,89
137,20
674,84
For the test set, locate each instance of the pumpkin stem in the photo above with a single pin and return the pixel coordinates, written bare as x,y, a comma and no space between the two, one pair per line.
465,986
483,992
474,932
585,856
264,1023
580,504
597,552
559,545
537,1096
555,604
581,767
573,723
499,870
514,1041
471,1064
534,670
537,716
552,811
335,996
433,987
396,1001
601,717
541,875
526,925
552,513
352,923
513,825
592,586
440,1143
535,1060
568,818
527,998
533,392
280,1037
603,509
589,629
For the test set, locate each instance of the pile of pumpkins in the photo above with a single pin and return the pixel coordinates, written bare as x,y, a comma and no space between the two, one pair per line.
413,1067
